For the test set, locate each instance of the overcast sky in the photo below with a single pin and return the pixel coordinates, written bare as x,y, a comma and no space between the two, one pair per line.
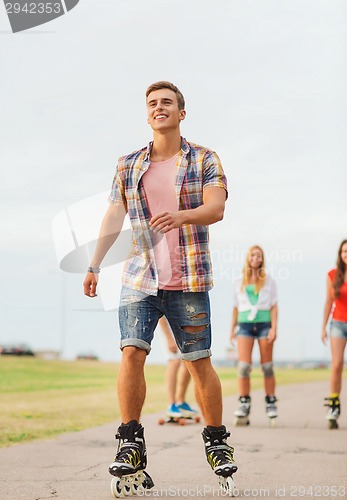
264,83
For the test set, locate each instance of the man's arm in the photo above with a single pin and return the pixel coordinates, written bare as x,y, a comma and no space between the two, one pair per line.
211,211
110,228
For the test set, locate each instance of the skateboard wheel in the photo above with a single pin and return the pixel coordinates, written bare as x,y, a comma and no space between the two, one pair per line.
181,421
161,421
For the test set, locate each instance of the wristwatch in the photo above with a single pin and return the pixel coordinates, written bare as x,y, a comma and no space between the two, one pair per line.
94,270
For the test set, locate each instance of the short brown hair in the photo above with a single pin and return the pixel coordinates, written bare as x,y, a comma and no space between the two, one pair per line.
170,86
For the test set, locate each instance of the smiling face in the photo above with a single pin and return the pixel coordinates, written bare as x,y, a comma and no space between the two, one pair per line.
343,253
255,258
163,113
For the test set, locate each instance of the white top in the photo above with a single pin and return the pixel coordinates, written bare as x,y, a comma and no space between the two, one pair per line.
267,298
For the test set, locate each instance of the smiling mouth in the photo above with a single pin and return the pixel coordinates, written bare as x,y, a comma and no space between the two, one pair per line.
160,117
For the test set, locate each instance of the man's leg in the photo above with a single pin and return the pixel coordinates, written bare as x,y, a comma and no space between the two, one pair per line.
208,391
131,383
189,318
138,318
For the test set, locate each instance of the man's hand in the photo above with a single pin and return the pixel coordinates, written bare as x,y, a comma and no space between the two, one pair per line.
165,221
89,285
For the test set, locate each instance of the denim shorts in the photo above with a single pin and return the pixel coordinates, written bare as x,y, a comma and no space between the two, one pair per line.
139,314
253,330
338,329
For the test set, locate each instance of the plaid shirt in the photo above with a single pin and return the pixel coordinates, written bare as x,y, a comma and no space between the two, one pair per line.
197,168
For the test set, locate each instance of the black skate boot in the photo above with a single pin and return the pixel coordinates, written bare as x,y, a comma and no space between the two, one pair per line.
220,456
242,413
130,461
334,410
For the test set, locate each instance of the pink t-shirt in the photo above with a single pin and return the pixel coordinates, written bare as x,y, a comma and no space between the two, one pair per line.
159,185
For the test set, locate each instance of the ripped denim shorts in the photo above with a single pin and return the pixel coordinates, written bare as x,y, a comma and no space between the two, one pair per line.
139,314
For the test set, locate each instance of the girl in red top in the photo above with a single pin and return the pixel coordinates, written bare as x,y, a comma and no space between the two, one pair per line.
336,303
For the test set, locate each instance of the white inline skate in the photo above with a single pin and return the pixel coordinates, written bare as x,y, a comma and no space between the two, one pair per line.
241,415
271,409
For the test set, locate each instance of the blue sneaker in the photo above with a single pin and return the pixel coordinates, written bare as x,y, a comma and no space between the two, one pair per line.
174,412
187,411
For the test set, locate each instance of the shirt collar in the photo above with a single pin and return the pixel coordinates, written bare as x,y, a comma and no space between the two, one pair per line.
185,148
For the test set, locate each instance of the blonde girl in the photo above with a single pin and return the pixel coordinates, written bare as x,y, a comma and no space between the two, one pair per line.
255,318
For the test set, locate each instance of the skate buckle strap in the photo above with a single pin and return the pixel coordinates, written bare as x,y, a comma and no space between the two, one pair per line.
332,402
221,447
219,436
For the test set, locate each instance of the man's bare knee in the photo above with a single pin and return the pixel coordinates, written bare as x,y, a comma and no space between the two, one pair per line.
134,354
198,365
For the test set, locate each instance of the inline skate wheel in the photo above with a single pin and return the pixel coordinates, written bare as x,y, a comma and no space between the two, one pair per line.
333,424
227,486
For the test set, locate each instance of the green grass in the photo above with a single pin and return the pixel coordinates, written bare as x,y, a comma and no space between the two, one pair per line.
41,399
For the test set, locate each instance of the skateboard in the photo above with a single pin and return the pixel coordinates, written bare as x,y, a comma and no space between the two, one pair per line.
179,420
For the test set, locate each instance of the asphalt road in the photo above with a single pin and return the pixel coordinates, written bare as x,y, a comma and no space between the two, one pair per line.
300,458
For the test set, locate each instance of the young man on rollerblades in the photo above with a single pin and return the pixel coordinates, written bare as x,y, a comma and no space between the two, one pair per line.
172,190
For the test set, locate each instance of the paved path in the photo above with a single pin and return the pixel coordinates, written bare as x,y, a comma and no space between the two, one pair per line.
300,458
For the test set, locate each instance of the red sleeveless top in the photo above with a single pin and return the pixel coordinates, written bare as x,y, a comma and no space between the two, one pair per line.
340,303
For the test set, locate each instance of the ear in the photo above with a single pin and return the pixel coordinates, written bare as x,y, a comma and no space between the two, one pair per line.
182,114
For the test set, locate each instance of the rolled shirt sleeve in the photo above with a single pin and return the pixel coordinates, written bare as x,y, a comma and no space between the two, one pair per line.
213,173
